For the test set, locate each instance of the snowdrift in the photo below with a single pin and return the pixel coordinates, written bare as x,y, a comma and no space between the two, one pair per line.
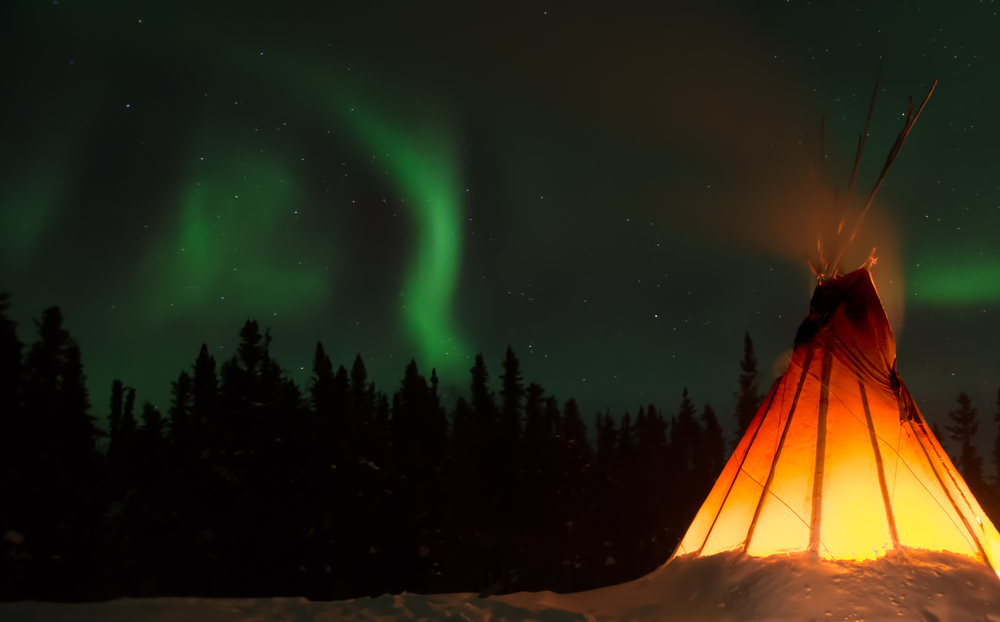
906,585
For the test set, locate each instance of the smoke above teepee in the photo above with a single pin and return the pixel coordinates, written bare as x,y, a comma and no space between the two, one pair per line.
804,218
772,183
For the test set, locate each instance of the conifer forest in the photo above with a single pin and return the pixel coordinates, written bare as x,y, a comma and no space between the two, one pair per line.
248,485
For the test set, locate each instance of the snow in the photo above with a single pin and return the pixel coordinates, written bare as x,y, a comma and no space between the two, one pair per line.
905,585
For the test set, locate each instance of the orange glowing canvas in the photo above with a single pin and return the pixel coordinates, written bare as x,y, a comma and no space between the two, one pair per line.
839,461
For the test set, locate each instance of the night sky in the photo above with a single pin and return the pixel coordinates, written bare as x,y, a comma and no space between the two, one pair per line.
616,192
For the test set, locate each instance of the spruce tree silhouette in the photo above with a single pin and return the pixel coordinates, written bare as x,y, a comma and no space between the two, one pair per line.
572,484
150,436
686,437
181,424
711,456
121,476
243,424
608,519
334,528
511,395
359,385
124,472
129,423
420,442
634,525
247,490
748,399
12,464
626,444
78,425
58,498
365,433
147,509
343,427
539,430
541,422
463,486
11,370
965,425
366,487
659,481
607,441
205,403
484,475
511,478
115,419
323,400
185,494
259,416
382,415
484,407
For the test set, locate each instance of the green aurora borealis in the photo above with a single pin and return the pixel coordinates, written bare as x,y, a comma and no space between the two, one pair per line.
240,198
423,170
582,184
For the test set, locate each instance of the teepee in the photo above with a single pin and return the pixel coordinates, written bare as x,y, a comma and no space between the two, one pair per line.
838,461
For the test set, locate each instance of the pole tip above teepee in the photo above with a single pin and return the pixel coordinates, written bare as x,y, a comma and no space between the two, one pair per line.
825,269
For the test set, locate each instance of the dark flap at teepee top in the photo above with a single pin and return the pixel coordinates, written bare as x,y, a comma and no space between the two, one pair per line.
846,315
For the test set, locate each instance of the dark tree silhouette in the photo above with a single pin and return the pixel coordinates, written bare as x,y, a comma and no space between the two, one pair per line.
149,438
246,489
204,401
482,400
608,517
541,420
963,429
541,424
484,522
607,444
658,484
127,437
747,398
629,472
321,390
687,441
181,425
712,455
686,438
11,368
365,433
419,433
115,418
330,470
261,456
511,395
572,478
13,472
511,476
55,502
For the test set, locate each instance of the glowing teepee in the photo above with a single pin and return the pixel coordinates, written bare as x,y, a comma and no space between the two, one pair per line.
839,461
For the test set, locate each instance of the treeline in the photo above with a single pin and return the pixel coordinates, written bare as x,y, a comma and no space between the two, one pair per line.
249,486
963,428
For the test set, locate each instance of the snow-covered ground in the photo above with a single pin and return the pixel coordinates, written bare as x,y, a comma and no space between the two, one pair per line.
915,585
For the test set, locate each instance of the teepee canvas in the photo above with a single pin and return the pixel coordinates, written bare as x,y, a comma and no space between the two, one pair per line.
839,461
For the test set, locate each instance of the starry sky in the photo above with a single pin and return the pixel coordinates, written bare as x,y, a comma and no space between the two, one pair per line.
616,190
